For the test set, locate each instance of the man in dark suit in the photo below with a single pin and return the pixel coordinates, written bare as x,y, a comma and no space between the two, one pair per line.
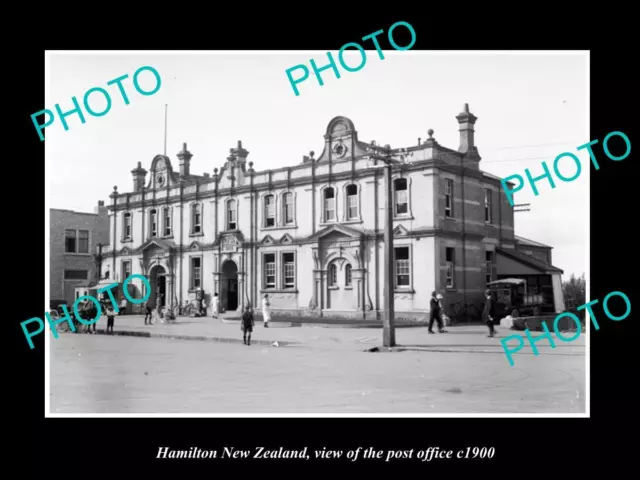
436,314
488,312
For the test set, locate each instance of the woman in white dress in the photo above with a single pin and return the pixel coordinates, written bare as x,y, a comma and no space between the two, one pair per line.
266,310
214,306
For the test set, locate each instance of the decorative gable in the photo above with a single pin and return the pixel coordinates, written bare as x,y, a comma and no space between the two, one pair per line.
268,240
195,246
125,251
399,231
286,239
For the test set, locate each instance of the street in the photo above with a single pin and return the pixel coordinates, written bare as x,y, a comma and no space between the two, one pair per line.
327,371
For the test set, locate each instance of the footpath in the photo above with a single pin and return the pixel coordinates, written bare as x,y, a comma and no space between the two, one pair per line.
280,334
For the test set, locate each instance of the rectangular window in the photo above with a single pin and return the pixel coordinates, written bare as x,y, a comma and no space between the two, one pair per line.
269,211
489,267
83,241
448,198
231,215
195,219
288,209
127,226
450,267
403,267
196,272
352,208
167,222
269,270
401,196
126,270
487,205
289,270
76,274
153,227
70,241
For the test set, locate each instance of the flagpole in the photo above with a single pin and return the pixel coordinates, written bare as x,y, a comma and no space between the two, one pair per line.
165,129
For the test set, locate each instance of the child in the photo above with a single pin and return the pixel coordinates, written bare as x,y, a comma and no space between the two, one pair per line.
247,325
110,316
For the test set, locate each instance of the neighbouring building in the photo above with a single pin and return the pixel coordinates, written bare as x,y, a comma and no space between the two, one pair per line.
75,243
311,235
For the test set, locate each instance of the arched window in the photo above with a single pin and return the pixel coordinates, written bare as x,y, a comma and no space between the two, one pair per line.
166,215
287,205
232,217
126,227
269,211
196,218
153,223
333,275
329,204
401,196
347,275
352,202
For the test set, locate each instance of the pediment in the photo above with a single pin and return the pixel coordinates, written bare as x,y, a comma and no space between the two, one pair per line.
268,240
125,251
155,244
195,246
286,239
336,232
400,231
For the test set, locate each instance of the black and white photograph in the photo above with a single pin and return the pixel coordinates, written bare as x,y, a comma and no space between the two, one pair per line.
254,244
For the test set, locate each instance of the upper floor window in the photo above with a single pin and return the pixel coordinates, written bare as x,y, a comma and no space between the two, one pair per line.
288,213
76,274
401,196
126,227
196,218
448,198
232,217
76,241
167,221
347,275
352,202
153,223
487,205
329,204
488,267
269,211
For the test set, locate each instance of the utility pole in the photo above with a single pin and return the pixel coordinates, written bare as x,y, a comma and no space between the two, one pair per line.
385,155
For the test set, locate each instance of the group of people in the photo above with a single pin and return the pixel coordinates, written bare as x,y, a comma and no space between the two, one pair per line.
89,311
438,315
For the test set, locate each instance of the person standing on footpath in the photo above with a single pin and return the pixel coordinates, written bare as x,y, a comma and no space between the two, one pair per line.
148,312
159,307
435,314
266,311
214,306
110,317
488,312
247,325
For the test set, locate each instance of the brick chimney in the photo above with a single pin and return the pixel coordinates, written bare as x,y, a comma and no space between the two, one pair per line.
466,121
185,159
100,209
241,155
139,175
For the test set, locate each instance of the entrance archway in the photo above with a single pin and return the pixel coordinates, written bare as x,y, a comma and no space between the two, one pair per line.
158,281
229,286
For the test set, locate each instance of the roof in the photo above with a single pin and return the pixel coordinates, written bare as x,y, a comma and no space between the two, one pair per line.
530,261
530,243
515,281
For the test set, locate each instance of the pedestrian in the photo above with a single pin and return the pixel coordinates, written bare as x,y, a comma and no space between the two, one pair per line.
89,312
148,313
488,312
110,317
247,325
435,314
266,310
443,316
214,306
159,307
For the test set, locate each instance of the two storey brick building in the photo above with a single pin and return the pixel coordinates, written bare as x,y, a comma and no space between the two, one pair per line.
311,235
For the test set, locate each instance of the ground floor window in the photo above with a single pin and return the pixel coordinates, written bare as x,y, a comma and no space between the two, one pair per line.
403,267
269,269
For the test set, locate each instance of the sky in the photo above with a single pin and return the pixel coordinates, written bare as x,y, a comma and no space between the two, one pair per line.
530,107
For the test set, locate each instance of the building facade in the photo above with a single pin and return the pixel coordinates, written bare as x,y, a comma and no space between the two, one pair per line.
311,235
74,245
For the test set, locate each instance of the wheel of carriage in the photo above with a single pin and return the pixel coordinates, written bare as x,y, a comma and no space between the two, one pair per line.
515,313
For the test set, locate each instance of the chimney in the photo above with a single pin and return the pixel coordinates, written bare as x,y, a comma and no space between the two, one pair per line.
240,154
466,121
139,175
100,209
185,158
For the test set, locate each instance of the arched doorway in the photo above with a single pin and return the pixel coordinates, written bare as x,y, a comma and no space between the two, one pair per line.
229,286
158,282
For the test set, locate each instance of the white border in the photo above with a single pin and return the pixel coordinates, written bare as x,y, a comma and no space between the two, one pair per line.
48,335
